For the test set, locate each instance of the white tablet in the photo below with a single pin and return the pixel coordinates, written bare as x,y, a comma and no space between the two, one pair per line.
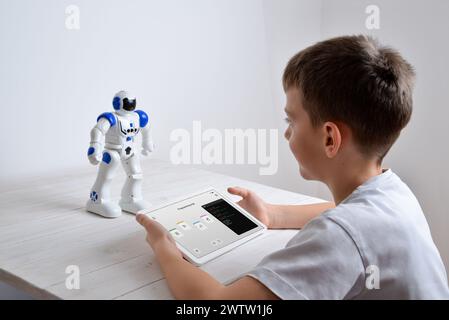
206,225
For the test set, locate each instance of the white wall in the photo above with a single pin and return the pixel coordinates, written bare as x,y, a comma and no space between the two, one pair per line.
420,31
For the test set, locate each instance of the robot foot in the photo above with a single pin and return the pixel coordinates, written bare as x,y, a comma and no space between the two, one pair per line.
134,206
106,209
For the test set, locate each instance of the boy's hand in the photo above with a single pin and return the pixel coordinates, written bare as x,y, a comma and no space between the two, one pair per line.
159,239
253,204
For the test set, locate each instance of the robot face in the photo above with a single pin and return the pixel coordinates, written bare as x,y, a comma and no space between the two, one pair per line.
129,104
124,101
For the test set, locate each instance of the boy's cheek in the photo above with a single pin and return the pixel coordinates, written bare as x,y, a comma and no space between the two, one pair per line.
297,145
298,152
294,148
302,147
306,156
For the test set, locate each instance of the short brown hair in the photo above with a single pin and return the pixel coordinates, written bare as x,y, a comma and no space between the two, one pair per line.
355,80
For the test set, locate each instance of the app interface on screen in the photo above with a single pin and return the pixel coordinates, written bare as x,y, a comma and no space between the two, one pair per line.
204,223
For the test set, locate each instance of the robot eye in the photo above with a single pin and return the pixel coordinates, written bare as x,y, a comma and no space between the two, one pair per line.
129,105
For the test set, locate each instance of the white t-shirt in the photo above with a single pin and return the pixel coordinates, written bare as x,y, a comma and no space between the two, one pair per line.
375,244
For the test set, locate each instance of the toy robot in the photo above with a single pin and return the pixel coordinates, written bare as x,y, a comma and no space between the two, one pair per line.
118,130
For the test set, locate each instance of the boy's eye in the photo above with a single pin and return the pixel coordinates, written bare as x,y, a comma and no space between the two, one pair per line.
287,120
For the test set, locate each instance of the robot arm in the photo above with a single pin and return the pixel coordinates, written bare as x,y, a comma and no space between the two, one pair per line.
97,135
147,138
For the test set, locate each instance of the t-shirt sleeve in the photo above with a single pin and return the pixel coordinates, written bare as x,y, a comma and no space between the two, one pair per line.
320,262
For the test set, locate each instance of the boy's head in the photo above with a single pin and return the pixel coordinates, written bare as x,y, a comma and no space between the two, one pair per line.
348,98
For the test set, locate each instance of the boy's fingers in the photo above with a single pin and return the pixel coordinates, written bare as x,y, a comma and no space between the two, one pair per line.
242,192
144,220
149,224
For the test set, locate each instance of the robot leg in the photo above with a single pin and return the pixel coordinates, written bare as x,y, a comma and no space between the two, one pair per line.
132,200
100,197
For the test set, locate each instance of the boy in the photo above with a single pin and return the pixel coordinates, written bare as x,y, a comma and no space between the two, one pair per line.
348,99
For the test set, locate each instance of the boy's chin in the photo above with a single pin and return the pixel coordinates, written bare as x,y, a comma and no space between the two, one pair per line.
305,174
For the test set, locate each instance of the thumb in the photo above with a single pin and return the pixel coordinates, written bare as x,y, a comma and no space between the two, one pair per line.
238,191
144,220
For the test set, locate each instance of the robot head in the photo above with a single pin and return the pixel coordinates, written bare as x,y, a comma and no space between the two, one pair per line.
124,101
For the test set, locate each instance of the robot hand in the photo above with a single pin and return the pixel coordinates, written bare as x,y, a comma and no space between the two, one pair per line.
148,147
94,153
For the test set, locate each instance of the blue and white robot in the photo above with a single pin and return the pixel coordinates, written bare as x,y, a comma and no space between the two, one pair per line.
112,141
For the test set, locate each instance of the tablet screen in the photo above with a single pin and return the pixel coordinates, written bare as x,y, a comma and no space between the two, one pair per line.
205,222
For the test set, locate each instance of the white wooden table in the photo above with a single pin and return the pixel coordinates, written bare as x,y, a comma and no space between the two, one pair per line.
44,228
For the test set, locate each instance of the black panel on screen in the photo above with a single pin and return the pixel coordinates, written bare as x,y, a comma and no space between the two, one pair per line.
229,216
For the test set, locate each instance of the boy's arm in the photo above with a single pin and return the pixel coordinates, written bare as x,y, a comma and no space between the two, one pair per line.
276,216
189,282
295,216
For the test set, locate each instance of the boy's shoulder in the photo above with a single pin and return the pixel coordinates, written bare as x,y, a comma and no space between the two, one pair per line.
384,205
382,196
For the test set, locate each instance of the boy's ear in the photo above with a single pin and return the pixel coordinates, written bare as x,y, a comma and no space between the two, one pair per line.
332,139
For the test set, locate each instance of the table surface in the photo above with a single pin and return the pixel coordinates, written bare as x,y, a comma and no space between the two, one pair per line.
44,228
